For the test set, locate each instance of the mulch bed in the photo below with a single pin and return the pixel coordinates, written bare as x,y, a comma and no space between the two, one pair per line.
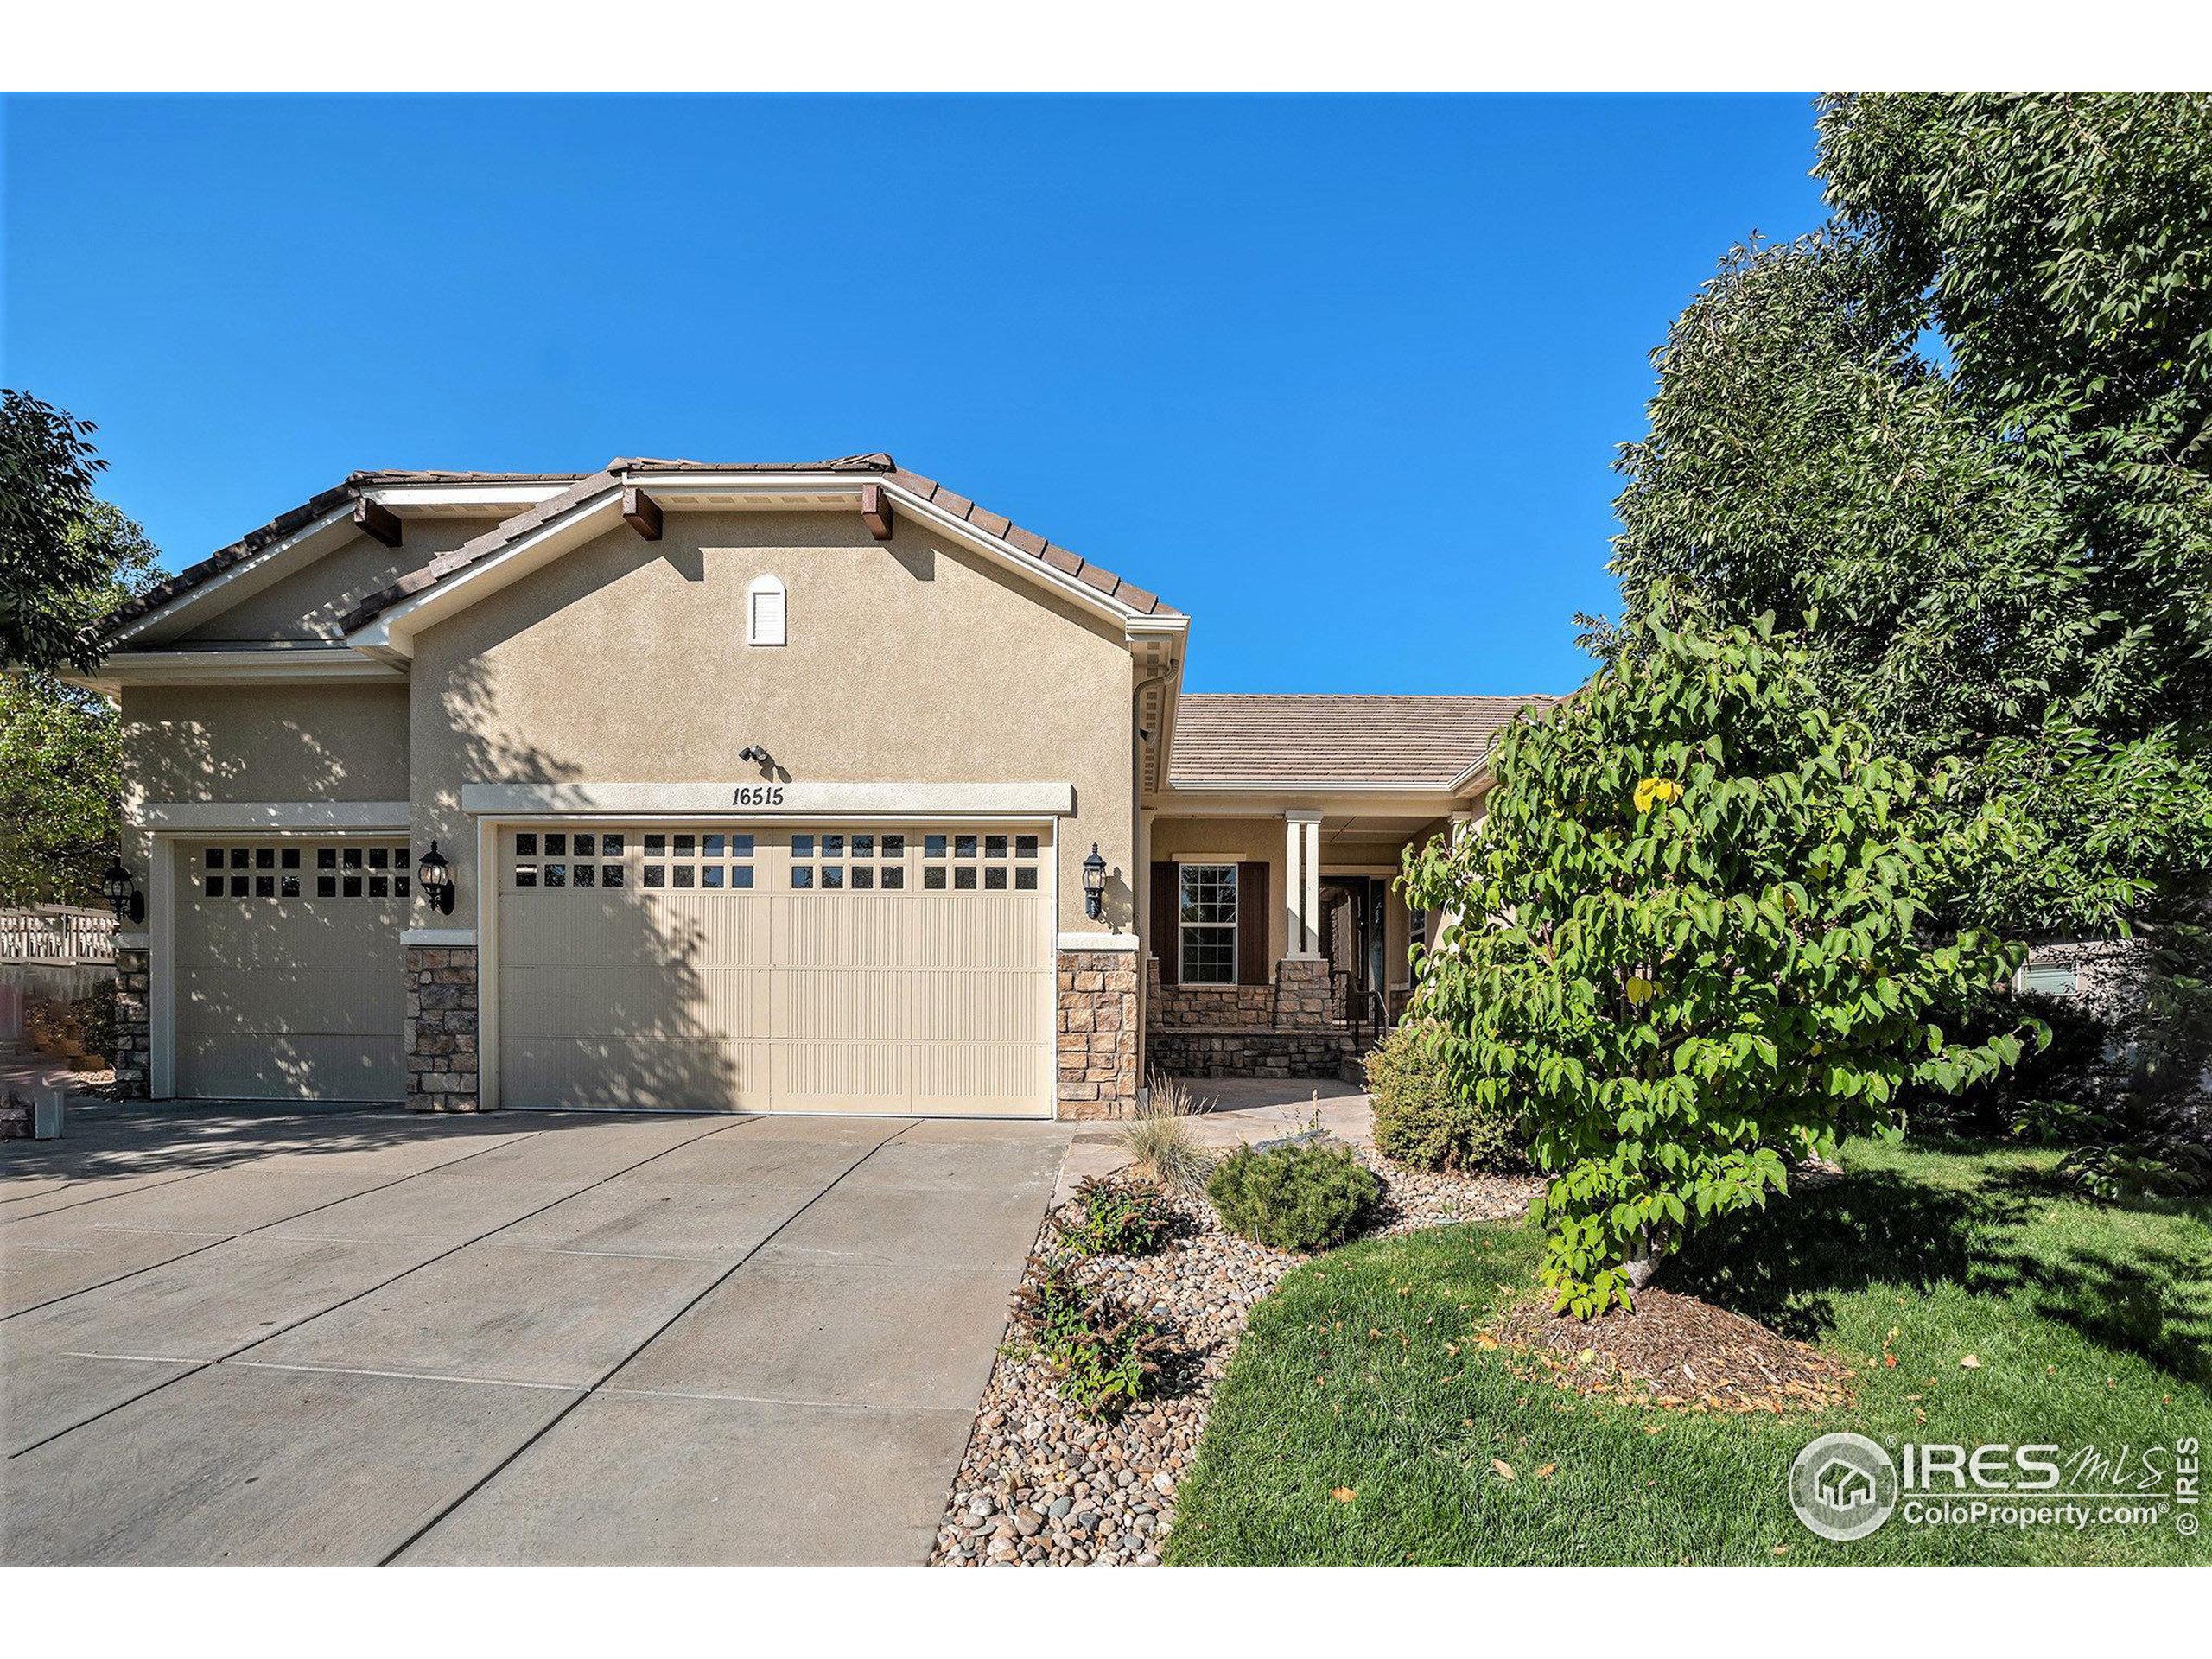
1674,1353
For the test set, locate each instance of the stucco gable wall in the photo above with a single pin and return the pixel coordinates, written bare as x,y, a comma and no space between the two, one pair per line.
258,743
307,604
625,661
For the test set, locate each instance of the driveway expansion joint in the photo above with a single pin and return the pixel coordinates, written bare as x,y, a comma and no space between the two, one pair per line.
595,1387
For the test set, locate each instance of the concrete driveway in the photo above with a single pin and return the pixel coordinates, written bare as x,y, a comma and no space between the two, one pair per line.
261,1335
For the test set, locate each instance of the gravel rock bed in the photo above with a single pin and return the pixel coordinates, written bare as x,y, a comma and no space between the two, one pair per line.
1421,1198
1042,1484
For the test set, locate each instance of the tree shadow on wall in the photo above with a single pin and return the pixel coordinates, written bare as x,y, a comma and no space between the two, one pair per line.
644,1028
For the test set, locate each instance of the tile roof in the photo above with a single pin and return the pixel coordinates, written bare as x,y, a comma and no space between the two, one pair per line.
284,524
506,532
1051,553
581,487
1423,743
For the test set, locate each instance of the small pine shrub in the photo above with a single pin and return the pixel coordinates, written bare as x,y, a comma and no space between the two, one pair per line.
1116,1217
1104,1358
1301,1197
1420,1120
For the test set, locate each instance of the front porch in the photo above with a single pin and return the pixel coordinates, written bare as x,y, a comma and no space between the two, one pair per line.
1279,944
1271,837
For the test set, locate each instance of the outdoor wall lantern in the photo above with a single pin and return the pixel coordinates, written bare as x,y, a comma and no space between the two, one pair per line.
1094,884
122,894
435,877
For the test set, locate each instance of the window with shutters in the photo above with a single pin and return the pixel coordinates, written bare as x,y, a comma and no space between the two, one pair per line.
1207,918
765,612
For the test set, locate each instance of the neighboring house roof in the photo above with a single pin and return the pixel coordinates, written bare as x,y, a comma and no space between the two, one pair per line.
1409,742
355,486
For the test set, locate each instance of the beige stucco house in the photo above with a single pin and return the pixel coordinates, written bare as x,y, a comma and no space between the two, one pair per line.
815,787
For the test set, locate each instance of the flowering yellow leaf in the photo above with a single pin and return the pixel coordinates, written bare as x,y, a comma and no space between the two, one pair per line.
1653,791
1640,990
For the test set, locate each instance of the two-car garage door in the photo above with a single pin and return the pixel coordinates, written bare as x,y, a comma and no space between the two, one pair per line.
748,968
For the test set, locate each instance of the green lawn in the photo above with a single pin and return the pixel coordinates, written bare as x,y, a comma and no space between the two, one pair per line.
2091,1324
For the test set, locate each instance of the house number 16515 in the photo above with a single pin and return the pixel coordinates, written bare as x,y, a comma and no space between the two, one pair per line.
760,795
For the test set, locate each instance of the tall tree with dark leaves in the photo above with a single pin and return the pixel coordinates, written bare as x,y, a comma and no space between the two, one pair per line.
67,560
1965,431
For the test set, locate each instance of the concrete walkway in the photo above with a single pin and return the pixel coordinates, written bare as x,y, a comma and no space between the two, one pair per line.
271,1335
1234,1112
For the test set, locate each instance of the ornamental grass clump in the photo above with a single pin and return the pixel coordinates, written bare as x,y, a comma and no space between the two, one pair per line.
1158,1139
1698,944
1305,1197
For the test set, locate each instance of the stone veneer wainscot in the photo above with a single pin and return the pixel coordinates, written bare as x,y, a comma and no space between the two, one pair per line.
134,1039
441,1035
1097,1042
1285,1029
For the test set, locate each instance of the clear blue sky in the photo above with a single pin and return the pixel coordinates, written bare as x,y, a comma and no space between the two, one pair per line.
1342,378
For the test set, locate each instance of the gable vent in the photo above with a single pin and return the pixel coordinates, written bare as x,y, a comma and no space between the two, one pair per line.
765,608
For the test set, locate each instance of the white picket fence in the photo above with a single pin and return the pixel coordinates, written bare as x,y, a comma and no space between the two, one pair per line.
57,934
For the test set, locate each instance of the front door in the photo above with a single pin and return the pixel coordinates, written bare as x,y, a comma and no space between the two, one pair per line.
1352,911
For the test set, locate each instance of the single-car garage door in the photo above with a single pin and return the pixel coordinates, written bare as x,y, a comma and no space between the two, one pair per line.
289,970
753,968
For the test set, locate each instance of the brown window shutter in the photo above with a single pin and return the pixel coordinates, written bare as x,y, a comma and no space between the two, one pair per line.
1167,937
1253,967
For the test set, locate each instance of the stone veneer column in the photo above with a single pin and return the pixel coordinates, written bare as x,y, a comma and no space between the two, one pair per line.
133,1021
1097,1034
1302,993
441,1032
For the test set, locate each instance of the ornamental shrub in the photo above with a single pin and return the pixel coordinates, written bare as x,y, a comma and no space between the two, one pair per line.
1117,1216
1302,1198
1103,1358
1421,1120
1695,943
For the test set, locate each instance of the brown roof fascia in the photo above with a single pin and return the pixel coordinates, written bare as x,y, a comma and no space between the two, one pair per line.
296,519
582,486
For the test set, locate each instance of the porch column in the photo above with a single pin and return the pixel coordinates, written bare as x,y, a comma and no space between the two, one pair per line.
1311,944
1463,825
1302,883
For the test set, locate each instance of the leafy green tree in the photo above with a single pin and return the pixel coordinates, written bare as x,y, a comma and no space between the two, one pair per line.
67,559
1965,432
1694,943
60,764
59,560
